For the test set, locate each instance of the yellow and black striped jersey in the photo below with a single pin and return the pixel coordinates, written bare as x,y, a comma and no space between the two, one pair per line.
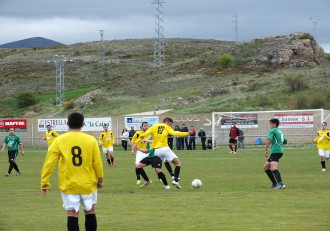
107,139
50,136
159,133
80,163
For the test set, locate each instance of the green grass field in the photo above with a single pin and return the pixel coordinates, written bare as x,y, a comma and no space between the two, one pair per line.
234,195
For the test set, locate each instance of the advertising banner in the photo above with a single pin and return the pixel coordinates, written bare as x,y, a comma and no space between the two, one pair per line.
90,124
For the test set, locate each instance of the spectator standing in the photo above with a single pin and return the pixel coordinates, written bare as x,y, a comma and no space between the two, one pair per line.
240,139
170,139
131,133
184,140
202,135
124,138
177,139
192,138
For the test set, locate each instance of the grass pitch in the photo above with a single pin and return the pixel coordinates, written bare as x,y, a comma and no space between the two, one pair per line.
234,195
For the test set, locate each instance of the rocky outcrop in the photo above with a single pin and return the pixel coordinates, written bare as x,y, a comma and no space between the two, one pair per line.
297,50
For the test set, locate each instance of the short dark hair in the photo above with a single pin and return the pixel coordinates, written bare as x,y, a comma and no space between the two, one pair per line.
143,123
48,125
325,123
275,121
167,120
75,120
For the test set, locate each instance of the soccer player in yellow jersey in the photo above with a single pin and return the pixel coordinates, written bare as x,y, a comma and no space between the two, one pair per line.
80,172
139,155
323,144
50,135
159,133
107,139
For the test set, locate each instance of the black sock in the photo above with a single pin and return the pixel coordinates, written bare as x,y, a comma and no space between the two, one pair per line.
138,173
231,147
169,168
177,173
73,224
11,166
277,175
271,176
90,222
112,159
143,174
108,160
323,163
162,176
15,167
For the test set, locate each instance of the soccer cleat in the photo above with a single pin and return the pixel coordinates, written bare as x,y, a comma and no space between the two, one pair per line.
18,173
324,169
167,187
7,174
177,185
272,186
234,152
113,164
280,186
231,152
146,183
138,182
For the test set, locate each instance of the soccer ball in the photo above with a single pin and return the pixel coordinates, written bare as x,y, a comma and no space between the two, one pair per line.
196,183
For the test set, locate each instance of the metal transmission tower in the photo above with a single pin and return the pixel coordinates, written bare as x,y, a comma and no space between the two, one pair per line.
315,20
236,26
59,61
159,56
102,49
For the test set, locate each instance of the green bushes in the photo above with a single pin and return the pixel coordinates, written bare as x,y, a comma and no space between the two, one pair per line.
226,60
26,99
296,83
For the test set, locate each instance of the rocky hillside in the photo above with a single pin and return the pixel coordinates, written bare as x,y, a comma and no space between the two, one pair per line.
193,78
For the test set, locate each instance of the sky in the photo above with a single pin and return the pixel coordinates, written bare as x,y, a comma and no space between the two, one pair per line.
75,21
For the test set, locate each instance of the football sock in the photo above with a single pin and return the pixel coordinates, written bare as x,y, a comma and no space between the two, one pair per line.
169,168
235,148
162,177
177,172
72,224
323,163
112,159
15,167
11,166
108,160
138,177
271,176
90,222
277,175
143,174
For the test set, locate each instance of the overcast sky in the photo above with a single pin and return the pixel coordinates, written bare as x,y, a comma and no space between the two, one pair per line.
73,21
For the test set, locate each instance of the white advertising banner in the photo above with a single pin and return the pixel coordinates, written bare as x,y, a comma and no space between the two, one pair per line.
295,120
90,124
136,121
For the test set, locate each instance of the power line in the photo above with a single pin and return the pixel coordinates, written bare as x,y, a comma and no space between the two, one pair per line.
315,20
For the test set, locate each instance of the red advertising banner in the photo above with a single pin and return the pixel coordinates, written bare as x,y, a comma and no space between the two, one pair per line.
18,124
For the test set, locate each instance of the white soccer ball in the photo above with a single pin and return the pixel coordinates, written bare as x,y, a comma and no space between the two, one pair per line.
196,183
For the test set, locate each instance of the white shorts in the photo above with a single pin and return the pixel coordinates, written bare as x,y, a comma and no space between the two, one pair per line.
324,153
73,201
106,150
139,156
165,154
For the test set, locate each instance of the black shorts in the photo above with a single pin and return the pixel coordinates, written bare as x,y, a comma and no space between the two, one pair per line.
232,141
12,155
154,161
275,157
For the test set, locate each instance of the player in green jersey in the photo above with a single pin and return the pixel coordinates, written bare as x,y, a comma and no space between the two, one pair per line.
275,140
12,141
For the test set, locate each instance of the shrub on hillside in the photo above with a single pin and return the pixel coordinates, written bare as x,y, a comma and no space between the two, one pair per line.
26,99
327,57
296,83
226,60
307,36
